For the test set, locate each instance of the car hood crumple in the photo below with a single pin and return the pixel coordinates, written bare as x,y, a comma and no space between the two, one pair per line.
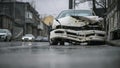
75,21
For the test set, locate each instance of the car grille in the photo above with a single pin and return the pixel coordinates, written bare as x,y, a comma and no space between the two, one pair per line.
70,33
74,34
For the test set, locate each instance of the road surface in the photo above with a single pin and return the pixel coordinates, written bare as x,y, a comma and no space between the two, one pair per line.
41,55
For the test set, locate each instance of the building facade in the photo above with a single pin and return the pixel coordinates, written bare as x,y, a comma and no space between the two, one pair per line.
26,18
6,22
113,20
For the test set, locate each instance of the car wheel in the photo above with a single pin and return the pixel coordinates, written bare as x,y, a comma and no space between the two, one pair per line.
53,42
61,43
6,39
10,40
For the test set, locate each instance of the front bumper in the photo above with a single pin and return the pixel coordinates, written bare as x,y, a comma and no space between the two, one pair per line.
75,36
66,36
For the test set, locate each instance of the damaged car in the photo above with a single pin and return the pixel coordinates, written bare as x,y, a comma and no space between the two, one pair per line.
76,27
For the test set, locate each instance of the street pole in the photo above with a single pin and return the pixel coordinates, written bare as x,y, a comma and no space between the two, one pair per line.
13,16
70,4
25,19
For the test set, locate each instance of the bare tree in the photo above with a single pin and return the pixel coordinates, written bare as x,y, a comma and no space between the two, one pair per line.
101,3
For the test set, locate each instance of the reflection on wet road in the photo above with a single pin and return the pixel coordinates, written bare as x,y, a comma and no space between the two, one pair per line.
41,55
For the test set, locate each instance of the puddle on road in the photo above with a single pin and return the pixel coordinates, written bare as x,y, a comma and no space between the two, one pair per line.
41,55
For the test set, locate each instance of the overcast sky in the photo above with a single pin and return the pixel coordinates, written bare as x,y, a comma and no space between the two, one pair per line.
54,7
51,6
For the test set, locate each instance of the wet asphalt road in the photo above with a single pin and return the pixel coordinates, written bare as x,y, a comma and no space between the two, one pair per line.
41,55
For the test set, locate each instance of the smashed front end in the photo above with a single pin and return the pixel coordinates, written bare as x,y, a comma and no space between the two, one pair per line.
76,30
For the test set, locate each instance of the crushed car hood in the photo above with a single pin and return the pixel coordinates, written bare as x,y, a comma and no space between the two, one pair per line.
75,21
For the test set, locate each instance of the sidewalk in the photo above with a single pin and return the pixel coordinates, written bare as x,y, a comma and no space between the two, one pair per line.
114,43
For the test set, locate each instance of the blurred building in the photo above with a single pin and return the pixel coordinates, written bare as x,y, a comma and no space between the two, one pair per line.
25,19
113,20
6,22
7,0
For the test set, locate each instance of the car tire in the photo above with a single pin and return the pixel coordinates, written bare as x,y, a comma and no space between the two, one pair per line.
10,40
6,39
53,42
61,43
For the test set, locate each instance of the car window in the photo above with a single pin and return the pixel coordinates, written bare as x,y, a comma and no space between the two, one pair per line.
75,13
